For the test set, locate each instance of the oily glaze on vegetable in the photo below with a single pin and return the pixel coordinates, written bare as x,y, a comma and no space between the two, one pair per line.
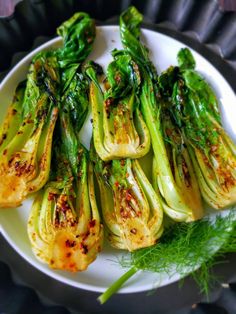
175,202
131,209
25,147
26,155
64,225
119,130
212,151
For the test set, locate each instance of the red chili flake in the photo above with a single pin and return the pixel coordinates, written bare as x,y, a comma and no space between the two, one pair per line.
10,160
73,223
123,213
64,206
28,169
92,223
139,213
72,266
118,78
56,221
5,151
128,196
86,235
68,254
108,102
70,243
117,184
51,196
17,164
84,248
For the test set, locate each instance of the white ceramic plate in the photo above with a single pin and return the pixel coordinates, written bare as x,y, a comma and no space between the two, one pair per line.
105,270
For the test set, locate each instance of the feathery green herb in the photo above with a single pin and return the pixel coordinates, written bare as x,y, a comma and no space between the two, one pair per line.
185,248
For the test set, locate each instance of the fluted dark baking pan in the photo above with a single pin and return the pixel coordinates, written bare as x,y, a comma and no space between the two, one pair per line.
194,22
198,23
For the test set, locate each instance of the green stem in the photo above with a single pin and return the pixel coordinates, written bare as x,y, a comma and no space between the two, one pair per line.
116,285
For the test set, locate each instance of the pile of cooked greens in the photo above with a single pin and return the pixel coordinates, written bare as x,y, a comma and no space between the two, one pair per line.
82,196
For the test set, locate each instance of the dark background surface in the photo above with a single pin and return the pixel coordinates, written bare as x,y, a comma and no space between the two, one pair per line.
204,26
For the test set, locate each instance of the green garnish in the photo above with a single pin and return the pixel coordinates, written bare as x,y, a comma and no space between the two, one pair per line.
183,249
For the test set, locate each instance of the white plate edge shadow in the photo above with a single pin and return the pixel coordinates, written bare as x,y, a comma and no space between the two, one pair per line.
133,284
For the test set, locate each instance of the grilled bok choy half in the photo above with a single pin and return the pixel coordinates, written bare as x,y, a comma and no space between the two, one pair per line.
173,173
132,211
212,151
119,130
181,169
64,224
25,148
27,131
